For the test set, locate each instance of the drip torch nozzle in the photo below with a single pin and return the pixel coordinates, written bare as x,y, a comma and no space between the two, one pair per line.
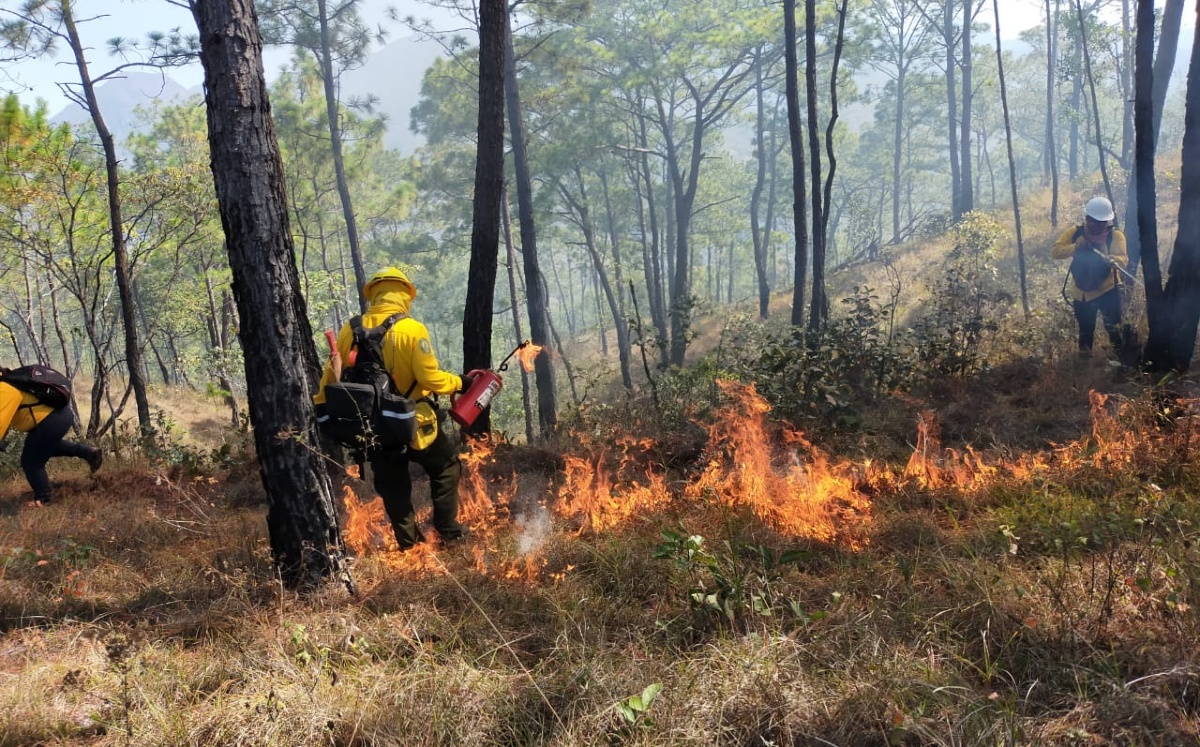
504,363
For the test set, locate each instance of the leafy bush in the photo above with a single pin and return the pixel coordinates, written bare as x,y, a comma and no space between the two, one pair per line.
162,444
734,582
10,457
966,304
828,375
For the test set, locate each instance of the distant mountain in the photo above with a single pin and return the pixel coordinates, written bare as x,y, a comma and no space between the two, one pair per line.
119,99
392,74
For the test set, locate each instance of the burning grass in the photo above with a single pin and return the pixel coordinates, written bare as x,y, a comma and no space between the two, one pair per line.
777,593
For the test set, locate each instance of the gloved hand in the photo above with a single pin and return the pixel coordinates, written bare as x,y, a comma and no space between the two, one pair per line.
467,382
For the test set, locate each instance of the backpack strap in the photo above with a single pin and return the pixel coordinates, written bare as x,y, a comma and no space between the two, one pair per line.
369,342
391,321
372,339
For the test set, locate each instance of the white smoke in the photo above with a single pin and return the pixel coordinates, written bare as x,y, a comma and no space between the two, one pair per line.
533,528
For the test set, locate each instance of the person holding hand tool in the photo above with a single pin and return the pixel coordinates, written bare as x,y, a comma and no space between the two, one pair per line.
1097,251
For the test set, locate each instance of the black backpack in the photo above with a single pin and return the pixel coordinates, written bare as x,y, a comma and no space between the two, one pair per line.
364,410
49,386
1090,268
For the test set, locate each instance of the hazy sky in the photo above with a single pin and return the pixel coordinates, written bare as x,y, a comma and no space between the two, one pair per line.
133,19
36,79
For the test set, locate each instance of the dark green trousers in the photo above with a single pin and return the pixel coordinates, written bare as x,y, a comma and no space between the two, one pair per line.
394,485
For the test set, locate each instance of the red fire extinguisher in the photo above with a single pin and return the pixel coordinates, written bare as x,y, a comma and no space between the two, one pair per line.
465,407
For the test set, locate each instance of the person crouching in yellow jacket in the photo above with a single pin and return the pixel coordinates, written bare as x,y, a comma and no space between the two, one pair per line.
1096,249
46,429
409,358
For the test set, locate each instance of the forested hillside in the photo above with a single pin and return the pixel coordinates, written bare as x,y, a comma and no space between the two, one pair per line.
800,440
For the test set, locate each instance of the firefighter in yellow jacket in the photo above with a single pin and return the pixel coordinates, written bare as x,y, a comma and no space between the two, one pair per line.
1097,251
409,358
46,429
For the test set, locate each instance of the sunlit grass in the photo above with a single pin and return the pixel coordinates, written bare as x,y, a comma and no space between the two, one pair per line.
1045,599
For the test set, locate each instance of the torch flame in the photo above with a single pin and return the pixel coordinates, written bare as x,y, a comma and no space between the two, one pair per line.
527,353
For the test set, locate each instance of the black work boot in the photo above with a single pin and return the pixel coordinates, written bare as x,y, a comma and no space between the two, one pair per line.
94,459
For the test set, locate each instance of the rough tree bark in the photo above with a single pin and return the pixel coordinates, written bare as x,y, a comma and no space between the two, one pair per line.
799,211
489,185
1012,166
281,361
133,353
820,306
535,299
1173,326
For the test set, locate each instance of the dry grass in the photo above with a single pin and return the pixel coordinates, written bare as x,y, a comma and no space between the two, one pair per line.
1046,596
144,611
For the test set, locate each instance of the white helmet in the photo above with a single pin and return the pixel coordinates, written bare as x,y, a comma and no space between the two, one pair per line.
1099,208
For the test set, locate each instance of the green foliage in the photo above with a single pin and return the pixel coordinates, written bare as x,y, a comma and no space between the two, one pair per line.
10,457
163,444
733,584
967,303
830,375
635,709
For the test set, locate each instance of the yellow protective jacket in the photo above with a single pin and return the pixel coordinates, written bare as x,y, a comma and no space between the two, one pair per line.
1066,245
19,411
407,352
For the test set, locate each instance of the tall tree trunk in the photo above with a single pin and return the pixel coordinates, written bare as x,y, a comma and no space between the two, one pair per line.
1164,64
898,153
583,212
339,164
776,148
281,360
1157,353
820,307
1051,149
1126,86
1012,166
614,242
1176,312
535,300
684,192
952,110
653,261
838,47
1076,105
489,183
799,216
966,201
133,353
761,154
518,333
1087,68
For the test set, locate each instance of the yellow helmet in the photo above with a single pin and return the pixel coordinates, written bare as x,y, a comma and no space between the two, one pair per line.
383,276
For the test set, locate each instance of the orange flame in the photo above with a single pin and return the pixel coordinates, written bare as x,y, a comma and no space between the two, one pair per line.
604,496
367,527
813,498
484,502
931,466
368,531
526,353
